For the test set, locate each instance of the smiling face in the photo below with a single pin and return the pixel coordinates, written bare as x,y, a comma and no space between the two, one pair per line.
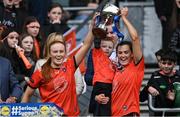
12,39
107,47
124,55
55,14
167,66
27,44
57,54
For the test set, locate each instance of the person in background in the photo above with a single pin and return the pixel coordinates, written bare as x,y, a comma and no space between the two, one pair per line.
55,80
32,26
165,10
158,55
12,16
3,51
162,84
175,38
144,93
55,22
26,45
10,91
10,38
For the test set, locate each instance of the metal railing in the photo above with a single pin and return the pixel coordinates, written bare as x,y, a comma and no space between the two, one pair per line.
163,110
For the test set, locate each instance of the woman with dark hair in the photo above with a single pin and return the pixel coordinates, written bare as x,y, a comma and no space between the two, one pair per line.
26,42
128,78
10,37
12,45
55,21
3,51
32,26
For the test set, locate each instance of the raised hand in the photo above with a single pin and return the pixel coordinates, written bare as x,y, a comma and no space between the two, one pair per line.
124,12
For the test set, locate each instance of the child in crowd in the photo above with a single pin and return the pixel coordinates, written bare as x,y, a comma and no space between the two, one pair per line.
55,21
162,83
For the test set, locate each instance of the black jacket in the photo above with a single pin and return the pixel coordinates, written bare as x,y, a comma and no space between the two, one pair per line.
175,42
49,28
12,17
163,84
164,7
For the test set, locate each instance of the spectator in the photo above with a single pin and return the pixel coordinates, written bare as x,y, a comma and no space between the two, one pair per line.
144,93
175,39
55,21
26,45
10,39
3,51
158,55
12,17
58,75
32,27
165,10
162,83
11,91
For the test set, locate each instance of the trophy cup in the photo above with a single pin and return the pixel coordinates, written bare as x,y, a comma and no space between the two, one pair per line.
106,17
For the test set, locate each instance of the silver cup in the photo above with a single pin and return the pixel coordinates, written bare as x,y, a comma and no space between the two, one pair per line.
106,18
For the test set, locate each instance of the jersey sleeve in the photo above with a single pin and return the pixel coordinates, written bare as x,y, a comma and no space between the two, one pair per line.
140,65
35,80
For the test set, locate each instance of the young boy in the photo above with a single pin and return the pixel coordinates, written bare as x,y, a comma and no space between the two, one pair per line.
162,83
102,74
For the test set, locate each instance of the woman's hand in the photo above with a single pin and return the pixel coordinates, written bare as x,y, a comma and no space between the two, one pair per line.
92,23
124,12
56,21
19,49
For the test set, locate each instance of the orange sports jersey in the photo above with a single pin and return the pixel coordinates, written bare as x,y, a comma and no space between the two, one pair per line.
103,68
60,90
37,48
126,86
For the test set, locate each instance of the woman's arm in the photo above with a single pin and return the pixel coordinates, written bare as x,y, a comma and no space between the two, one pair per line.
87,43
27,95
136,46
